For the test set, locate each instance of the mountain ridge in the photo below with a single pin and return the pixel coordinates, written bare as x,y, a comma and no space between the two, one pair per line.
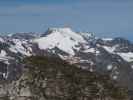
112,56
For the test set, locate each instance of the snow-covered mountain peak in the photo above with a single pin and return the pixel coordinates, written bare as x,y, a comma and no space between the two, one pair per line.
62,38
62,30
66,32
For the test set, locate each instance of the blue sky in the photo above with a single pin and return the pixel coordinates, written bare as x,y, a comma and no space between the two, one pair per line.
104,17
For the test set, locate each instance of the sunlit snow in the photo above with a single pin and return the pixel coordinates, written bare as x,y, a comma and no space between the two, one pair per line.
63,38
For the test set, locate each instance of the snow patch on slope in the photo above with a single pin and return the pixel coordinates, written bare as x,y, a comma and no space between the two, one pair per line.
1,40
127,56
2,53
109,67
90,50
110,49
19,48
4,57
